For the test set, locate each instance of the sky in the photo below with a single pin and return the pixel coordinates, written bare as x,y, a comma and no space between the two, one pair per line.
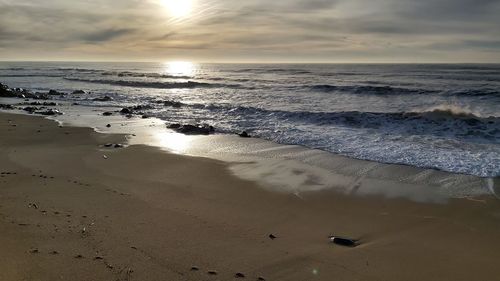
342,31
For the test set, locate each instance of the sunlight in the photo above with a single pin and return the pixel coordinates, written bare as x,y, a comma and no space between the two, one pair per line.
174,142
180,68
178,8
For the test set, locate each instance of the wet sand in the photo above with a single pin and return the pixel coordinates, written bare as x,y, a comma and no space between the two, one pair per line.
71,209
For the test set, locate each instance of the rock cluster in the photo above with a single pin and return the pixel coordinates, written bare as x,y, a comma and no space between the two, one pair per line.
203,129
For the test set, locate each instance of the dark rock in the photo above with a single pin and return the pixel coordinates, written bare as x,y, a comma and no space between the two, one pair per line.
78,92
41,103
212,272
55,93
145,116
118,145
174,104
239,275
126,110
261,278
30,109
108,145
195,129
6,92
107,113
141,107
194,268
6,106
343,241
272,236
50,112
108,126
244,134
174,126
105,98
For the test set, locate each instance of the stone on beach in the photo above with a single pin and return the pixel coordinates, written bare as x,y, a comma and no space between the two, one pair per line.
188,129
239,275
50,112
31,109
55,93
343,241
174,126
6,106
126,110
244,134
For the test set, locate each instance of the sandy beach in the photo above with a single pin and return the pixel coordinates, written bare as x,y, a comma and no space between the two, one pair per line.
72,209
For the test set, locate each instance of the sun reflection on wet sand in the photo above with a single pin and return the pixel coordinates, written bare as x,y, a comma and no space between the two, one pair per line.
174,142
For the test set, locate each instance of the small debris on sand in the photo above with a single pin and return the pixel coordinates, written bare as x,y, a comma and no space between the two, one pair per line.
343,241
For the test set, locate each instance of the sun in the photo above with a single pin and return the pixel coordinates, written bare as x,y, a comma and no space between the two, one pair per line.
178,8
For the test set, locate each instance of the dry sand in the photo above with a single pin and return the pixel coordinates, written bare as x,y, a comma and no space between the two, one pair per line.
69,213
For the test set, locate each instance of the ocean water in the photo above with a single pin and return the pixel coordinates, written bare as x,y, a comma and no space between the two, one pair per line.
445,117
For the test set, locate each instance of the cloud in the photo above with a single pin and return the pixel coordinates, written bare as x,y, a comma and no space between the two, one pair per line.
321,30
106,35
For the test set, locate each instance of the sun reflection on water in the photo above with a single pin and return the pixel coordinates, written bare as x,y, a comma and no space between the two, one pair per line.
180,68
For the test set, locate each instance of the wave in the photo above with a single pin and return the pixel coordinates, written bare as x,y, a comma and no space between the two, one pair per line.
390,90
364,89
29,75
272,70
449,111
444,121
156,85
475,93
85,70
143,74
13,68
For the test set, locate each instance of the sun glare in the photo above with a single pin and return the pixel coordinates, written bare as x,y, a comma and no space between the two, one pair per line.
174,142
180,68
178,8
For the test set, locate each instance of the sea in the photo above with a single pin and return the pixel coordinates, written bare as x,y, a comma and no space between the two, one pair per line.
439,116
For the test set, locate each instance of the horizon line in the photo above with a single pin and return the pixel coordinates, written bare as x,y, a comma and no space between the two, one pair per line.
239,62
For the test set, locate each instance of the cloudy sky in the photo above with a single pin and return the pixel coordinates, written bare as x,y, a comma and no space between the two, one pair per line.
251,30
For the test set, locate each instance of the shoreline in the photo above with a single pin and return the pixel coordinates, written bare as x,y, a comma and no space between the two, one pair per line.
140,213
275,165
